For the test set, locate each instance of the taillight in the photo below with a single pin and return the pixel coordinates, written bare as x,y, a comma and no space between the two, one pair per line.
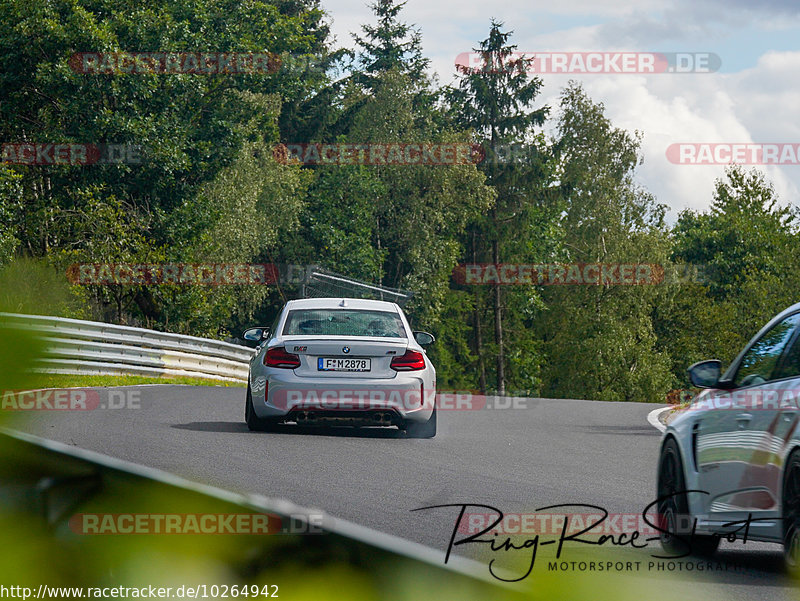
278,357
410,361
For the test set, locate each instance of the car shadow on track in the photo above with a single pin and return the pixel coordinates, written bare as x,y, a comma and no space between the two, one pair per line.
241,427
645,430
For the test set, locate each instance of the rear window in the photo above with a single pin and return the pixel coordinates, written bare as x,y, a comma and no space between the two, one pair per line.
343,322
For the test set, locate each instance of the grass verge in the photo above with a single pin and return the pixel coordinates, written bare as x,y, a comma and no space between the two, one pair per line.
70,381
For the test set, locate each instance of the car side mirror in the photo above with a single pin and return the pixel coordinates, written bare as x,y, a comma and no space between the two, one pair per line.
706,374
254,336
424,338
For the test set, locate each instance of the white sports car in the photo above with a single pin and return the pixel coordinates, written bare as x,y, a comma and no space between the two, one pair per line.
341,361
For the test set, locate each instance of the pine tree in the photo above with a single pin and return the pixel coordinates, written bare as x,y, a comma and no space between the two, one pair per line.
391,44
495,102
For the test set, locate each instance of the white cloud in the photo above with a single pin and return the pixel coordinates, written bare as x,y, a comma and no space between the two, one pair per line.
758,104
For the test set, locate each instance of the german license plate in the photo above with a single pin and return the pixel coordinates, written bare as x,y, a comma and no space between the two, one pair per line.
338,364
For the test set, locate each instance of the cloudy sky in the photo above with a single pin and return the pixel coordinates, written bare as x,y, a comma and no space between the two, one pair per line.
753,97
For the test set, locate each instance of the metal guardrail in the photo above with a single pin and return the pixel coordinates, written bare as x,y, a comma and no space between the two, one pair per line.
74,346
59,480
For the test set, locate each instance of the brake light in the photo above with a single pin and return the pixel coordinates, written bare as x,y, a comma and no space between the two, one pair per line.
409,361
278,357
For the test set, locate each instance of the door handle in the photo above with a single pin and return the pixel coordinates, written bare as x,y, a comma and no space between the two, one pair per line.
743,419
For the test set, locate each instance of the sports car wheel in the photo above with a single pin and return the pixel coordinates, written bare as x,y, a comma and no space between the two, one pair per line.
791,513
673,506
254,423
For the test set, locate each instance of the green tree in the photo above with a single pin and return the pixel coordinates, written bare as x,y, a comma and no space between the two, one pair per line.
495,102
600,340
191,129
389,45
10,194
745,249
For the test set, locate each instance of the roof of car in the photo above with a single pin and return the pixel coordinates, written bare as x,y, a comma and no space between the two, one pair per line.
336,303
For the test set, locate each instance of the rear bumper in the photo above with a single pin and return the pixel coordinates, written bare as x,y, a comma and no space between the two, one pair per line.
364,400
369,417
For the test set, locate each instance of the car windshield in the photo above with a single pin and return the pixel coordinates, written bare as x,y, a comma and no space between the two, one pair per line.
343,322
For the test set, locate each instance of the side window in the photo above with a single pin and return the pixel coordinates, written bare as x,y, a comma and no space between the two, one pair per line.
758,364
790,367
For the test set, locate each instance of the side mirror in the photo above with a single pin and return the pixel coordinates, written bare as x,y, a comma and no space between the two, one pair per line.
705,374
255,335
423,338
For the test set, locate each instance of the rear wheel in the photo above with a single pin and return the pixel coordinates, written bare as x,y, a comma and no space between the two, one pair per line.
255,423
791,513
673,506
422,430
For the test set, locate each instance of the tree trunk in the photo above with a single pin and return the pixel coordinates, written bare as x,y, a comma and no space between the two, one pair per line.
498,325
477,325
479,343
498,310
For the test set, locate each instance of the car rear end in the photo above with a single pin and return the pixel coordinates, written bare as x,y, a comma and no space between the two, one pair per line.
353,363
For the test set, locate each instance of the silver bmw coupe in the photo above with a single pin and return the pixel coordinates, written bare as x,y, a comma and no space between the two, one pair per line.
329,361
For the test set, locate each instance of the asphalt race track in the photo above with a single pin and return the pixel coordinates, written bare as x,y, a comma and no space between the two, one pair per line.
551,452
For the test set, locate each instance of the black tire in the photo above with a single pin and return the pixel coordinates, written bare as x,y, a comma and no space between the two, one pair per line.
422,430
791,513
674,509
255,423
